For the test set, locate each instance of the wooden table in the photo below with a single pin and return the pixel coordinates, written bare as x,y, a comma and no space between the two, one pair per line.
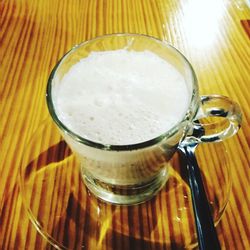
214,36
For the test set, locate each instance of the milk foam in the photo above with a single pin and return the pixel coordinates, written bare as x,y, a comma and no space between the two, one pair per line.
121,97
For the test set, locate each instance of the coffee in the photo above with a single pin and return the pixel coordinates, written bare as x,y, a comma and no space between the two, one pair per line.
121,97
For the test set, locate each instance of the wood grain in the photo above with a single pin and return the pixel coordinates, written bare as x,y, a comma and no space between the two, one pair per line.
33,37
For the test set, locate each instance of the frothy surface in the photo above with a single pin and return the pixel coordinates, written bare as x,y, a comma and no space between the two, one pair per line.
121,97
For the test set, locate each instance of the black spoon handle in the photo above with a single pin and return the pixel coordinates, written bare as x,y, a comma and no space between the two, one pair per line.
207,236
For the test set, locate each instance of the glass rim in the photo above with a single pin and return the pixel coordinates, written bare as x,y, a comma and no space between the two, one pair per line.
126,147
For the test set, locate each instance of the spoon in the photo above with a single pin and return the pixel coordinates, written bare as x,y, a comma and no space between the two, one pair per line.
207,236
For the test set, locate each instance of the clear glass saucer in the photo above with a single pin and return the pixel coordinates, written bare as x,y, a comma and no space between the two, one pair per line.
68,216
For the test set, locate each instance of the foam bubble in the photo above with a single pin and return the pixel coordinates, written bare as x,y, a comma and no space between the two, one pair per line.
121,97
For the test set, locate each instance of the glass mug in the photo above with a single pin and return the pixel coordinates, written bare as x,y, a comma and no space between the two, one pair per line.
131,174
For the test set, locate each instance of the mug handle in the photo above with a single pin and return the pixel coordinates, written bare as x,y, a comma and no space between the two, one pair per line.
228,124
